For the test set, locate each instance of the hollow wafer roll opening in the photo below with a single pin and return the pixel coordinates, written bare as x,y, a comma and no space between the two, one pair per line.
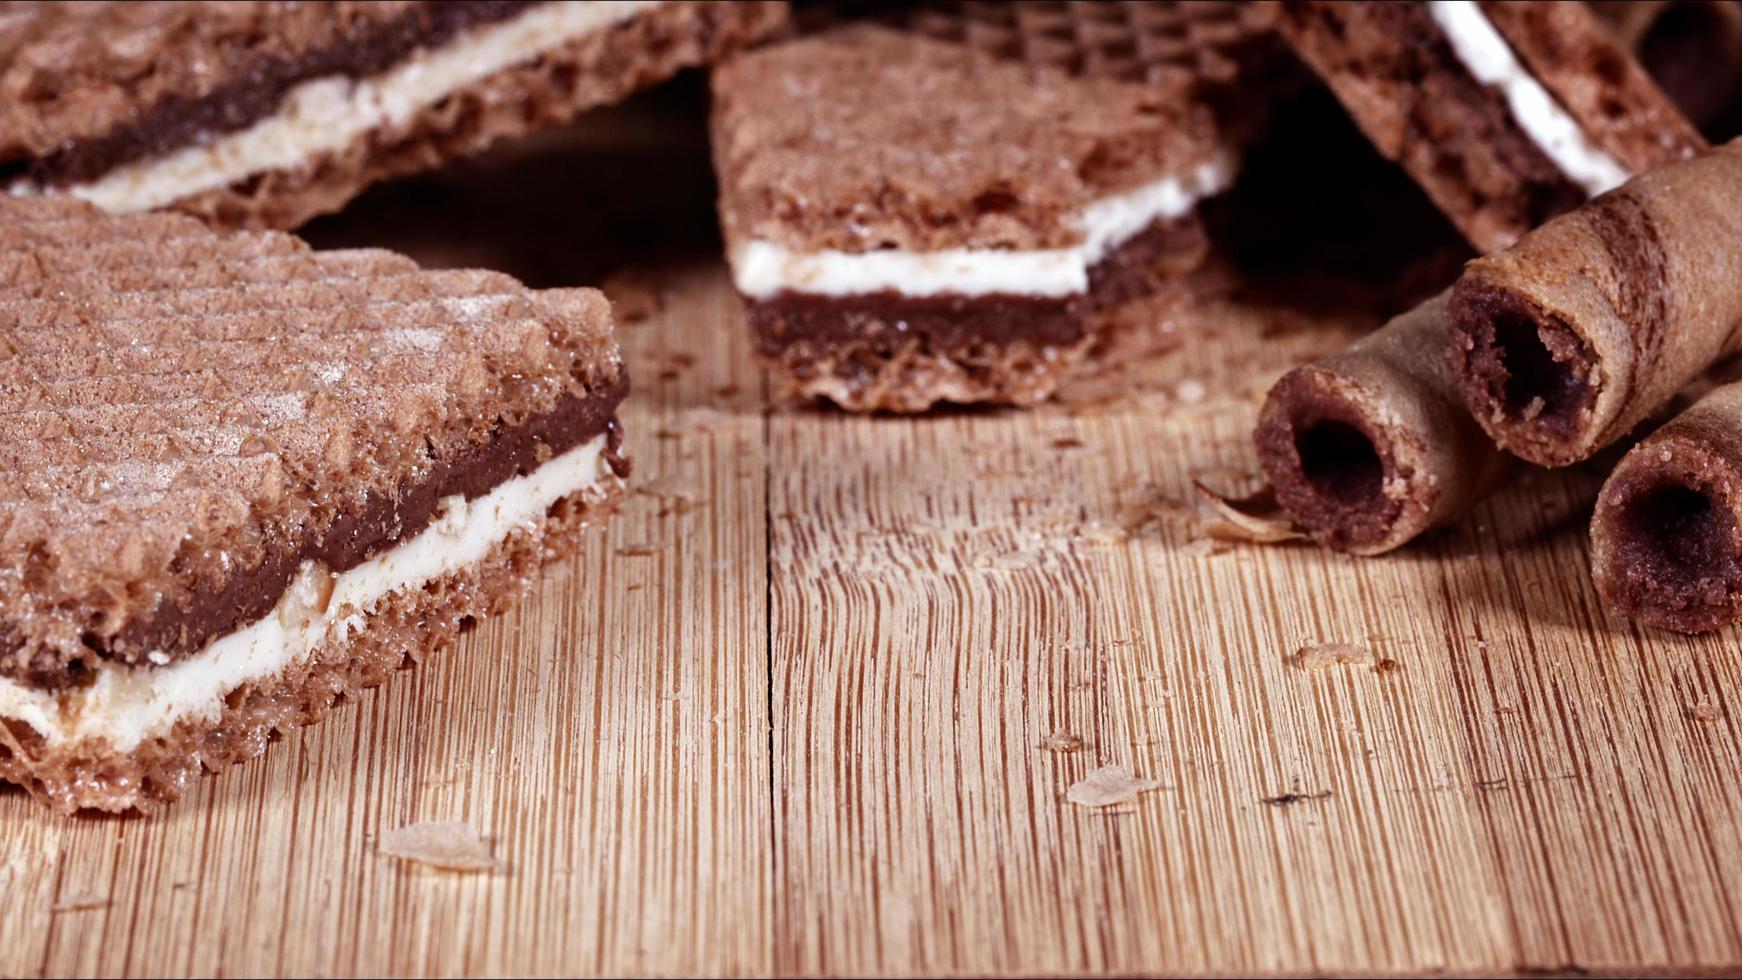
1329,459
1369,447
1666,542
1587,325
1522,370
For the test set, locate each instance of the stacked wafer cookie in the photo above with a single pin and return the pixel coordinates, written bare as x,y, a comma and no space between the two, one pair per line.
265,114
241,478
964,202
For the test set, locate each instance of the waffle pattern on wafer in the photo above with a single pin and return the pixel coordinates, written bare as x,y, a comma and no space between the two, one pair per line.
175,401
1154,42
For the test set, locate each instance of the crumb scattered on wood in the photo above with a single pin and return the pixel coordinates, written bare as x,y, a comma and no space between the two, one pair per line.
634,295
1147,509
1109,785
638,550
1706,713
446,844
1067,442
675,494
80,903
1062,742
1319,656
1290,799
1253,517
1190,391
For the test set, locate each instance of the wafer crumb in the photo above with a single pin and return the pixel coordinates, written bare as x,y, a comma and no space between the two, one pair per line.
1318,656
446,844
1109,785
634,295
675,494
1255,517
1062,742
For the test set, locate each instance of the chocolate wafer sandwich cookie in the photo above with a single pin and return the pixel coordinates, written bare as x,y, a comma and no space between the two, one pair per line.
1505,113
1370,447
240,479
270,113
1666,538
1567,340
911,222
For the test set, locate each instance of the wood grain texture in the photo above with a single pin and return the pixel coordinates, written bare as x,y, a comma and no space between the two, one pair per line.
800,709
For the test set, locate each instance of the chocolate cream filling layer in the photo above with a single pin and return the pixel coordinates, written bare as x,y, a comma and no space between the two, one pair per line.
257,91
957,298
956,321
176,630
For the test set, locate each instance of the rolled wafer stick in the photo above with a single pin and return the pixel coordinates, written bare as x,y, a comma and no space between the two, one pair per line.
1666,538
1566,340
1372,446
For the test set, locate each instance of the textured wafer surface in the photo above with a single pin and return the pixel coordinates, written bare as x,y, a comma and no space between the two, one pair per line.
863,138
1156,42
169,416
404,627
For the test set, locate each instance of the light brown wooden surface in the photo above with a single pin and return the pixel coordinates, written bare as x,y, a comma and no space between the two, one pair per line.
787,713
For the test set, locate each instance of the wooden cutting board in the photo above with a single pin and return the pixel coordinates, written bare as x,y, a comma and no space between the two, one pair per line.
813,702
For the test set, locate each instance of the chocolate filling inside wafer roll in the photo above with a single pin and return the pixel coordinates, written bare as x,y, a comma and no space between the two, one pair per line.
1666,543
1370,447
1328,471
1564,342
1520,361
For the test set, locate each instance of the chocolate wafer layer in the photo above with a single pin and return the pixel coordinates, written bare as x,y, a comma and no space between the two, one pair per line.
266,114
223,461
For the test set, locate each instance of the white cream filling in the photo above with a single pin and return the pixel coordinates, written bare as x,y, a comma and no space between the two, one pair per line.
762,268
126,705
325,115
1490,59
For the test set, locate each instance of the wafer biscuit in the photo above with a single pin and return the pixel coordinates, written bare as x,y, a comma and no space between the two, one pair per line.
266,114
912,222
1506,114
240,478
